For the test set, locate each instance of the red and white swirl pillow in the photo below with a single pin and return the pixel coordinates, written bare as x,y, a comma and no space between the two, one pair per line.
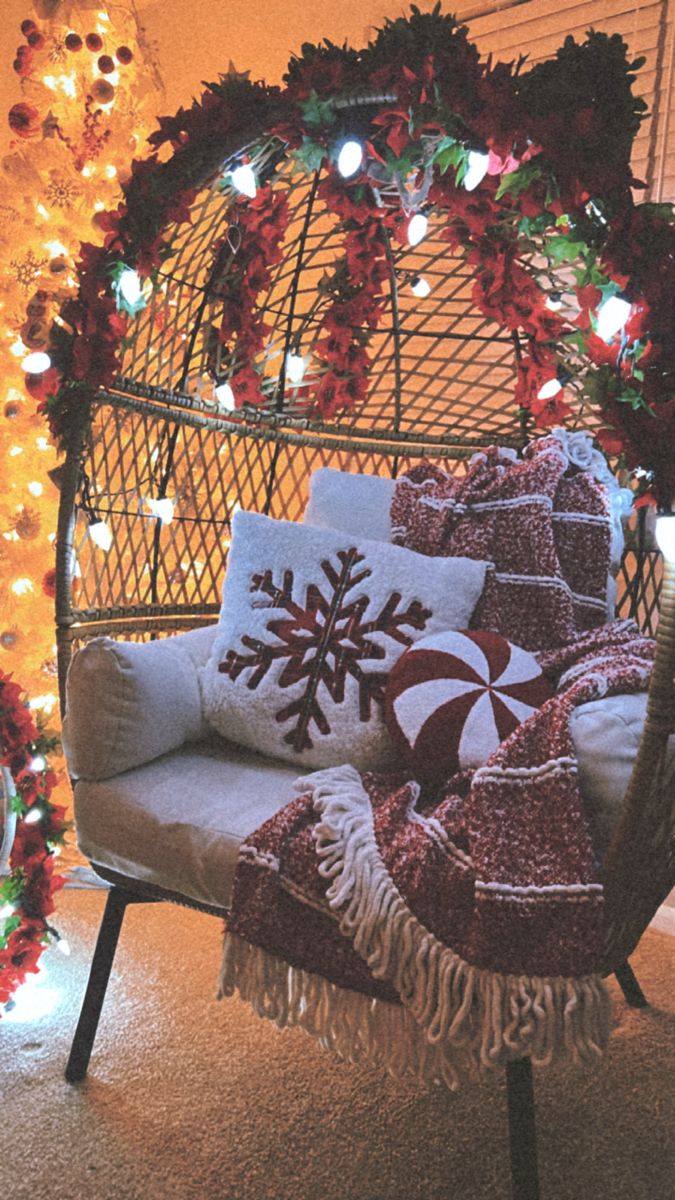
454,696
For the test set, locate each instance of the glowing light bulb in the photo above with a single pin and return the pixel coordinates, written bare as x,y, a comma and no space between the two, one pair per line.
101,535
63,945
36,363
18,349
23,586
130,287
419,287
111,171
33,815
243,178
6,911
161,508
56,248
225,397
38,763
554,301
476,169
43,212
295,367
549,389
35,488
665,535
349,158
417,228
612,316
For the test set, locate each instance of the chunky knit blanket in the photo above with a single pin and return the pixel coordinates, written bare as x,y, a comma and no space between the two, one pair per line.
545,526
441,934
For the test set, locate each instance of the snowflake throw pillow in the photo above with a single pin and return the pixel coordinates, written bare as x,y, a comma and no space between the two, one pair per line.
453,698
312,622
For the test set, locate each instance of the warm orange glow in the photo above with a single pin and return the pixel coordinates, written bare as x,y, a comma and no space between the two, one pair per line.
62,177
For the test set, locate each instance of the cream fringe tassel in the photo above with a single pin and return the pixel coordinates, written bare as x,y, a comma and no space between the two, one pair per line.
454,1018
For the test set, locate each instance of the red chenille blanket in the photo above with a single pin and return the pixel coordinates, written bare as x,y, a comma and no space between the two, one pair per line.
444,933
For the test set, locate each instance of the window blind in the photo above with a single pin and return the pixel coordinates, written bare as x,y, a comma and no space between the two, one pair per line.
533,27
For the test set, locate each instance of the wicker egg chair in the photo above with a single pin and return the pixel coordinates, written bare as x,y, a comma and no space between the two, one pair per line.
441,387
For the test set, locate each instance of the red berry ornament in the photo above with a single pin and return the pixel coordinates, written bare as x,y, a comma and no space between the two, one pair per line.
123,55
36,39
28,27
94,42
73,42
106,64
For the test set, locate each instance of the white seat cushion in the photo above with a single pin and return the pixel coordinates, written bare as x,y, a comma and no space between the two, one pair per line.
606,735
178,822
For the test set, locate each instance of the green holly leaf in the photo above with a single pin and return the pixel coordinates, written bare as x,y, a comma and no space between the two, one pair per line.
449,153
316,111
561,249
310,155
517,182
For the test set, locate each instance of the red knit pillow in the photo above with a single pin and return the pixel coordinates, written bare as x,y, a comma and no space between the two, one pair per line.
453,697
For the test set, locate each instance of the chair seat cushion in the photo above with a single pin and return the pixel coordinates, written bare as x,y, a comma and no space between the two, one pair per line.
177,823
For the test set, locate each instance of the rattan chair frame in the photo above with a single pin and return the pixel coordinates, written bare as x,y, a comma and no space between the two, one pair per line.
152,428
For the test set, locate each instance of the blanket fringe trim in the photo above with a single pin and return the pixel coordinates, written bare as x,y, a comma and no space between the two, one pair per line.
361,1029
489,1018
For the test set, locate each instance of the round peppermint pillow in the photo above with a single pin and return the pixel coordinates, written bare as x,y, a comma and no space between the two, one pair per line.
453,697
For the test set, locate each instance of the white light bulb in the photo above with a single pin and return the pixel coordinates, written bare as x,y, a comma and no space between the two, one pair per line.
36,363
554,301
162,508
101,535
612,316
243,178
476,169
63,945
350,158
6,911
130,287
549,389
225,397
417,228
34,815
420,288
295,367
38,763
665,535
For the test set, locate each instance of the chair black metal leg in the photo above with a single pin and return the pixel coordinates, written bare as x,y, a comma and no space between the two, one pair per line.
99,974
630,987
522,1132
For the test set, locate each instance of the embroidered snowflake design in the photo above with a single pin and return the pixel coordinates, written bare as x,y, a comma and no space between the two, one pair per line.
323,643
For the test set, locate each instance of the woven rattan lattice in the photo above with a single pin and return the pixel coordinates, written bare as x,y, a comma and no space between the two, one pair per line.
441,383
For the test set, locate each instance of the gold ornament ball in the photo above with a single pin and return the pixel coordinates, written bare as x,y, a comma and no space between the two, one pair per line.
58,265
36,309
35,334
102,91
27,523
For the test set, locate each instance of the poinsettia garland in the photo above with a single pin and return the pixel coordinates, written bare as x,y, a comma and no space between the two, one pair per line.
552,225
27,892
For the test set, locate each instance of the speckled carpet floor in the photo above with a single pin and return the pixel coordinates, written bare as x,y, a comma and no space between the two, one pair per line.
191,1099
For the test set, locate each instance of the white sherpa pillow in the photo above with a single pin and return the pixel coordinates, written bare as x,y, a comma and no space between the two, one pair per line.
311,623
353,503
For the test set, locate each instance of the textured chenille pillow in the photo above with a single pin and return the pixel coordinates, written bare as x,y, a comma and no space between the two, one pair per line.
453,697
311,623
